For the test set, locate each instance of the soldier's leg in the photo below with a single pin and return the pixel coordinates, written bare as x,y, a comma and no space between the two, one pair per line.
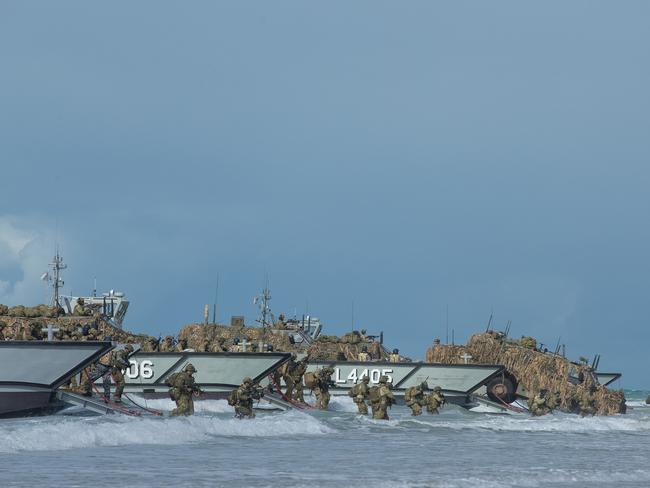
416,409
362,407
180,406
318,394
325,402
299,393
190,405
118,378
288,380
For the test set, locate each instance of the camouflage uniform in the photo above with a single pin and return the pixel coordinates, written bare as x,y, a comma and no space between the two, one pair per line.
181,345
363,355
286,372
381,398
183,387
120,362
587,402
393,357
359,394
296,375
540,404
167,344
218,345
321,388
435,400
242,399
80,309
415,398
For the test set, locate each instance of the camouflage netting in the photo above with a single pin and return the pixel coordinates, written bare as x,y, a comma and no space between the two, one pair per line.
27,323
534,370
334,348
197,334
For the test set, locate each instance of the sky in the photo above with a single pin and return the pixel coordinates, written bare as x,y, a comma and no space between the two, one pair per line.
379,162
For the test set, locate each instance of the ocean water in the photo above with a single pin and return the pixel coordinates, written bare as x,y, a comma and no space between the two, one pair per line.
328,449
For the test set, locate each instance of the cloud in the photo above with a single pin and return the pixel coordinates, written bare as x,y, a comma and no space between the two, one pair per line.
24,255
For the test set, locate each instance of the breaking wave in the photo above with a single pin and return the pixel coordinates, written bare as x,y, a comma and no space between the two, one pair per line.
46,434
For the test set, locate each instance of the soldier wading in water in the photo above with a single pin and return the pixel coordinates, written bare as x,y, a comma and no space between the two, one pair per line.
359,394
183,387
242,398
381,399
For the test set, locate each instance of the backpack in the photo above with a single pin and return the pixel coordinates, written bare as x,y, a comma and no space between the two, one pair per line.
409,394
233,398
373,394
310,379
173,380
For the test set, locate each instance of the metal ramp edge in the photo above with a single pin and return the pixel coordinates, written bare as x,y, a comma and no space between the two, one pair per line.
91,403
278,401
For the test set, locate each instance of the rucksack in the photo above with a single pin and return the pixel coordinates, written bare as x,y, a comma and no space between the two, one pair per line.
373,394
409,394
233,398
173,380
310,379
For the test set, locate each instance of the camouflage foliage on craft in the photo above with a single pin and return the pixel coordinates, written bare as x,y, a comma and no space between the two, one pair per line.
536,371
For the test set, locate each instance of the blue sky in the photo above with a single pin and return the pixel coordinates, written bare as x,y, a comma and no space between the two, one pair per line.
405,156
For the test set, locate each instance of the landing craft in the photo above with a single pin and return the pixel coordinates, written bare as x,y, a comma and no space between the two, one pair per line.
31,372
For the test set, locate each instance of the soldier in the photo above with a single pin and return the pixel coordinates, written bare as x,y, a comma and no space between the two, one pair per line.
242,398
286,371
235,346
363,355
181,345
119,362
150,345
80,309
296,375
183,388
394,356
167,344
359,394
205,346
381,399
218,345
415,398
435,400
587,401
281,324
321,388
539,404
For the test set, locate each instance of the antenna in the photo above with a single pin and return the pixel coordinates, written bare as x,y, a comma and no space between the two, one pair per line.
508,327
557,347
95,286
57,266
353,314
447,325
216,299
452,337
489,322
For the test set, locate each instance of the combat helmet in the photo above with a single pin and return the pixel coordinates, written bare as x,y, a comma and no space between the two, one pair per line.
437,388
424,385
366,379
189,368
129,348
383,379
247,380
395,351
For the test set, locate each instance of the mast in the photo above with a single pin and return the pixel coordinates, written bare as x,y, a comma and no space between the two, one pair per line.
57,266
